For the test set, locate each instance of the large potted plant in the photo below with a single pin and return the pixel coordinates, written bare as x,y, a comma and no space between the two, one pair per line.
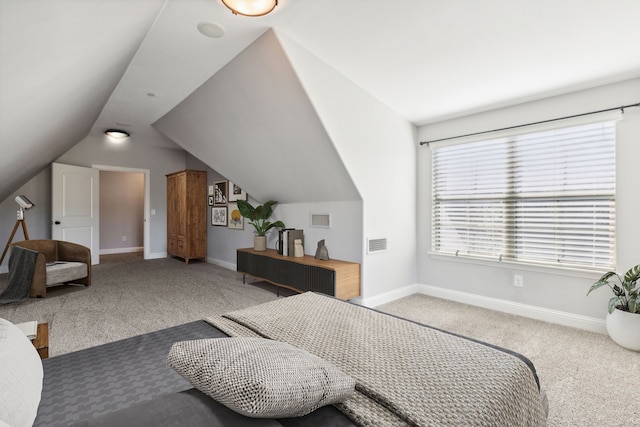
623,319
259,217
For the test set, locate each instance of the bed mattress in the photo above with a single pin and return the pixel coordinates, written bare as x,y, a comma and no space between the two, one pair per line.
128,382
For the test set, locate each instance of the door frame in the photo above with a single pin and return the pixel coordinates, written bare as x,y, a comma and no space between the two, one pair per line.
147,201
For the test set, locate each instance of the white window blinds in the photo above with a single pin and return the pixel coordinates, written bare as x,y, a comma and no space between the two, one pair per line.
545,197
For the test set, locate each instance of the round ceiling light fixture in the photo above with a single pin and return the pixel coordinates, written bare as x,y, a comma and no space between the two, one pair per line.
250,7
116,133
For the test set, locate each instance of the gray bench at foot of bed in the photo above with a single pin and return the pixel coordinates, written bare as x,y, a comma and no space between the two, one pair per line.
104,385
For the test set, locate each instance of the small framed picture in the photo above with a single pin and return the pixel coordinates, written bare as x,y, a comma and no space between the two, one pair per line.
236,221
236,193
219,216
211,190
210,199
220,193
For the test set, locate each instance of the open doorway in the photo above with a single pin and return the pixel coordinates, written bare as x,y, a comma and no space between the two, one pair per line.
121,213
124,211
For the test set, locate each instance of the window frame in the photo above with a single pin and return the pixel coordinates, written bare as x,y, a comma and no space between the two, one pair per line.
570,269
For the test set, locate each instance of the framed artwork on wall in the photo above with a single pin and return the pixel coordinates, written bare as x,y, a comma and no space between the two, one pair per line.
210,200
219,216
236,193
220,193
236,221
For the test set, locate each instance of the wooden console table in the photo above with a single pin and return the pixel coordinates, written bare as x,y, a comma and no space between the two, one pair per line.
332,277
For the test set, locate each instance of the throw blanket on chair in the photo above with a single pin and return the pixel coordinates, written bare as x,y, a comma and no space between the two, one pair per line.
406,374
22,262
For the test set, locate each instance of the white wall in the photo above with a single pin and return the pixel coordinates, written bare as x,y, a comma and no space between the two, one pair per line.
253,123
37,219
343,239
378,148
546,289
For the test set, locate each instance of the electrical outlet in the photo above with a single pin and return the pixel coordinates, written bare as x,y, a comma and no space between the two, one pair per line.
124,238
518,281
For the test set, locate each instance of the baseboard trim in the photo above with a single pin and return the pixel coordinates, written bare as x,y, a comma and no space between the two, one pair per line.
533,312
157,255
386,297
220,263
539,313
121,250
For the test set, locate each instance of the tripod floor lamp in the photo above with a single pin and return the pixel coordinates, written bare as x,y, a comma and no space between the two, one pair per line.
25,204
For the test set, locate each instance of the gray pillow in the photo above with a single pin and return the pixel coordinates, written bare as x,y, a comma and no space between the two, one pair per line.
258,377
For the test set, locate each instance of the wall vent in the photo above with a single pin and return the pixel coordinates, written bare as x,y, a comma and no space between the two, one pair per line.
376,245
320,220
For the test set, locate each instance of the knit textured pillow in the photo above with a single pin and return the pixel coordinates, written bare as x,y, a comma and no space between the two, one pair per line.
258,377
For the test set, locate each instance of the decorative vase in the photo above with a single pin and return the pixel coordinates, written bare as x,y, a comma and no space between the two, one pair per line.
624,328
260,243
298,249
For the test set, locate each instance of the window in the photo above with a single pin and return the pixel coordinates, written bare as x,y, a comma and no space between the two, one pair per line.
545,197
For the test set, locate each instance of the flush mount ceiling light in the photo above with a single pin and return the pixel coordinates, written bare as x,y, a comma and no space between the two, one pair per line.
116,133
250,7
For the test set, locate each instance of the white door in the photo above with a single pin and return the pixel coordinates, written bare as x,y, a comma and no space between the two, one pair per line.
75,206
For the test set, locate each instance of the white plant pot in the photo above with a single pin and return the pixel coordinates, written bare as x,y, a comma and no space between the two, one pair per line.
624,328
260,243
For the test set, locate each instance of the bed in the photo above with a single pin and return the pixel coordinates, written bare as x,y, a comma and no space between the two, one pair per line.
404,373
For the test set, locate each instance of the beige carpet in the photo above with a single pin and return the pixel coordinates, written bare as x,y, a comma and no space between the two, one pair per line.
131,296
588,378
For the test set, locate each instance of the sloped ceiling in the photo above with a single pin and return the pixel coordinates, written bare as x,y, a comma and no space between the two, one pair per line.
253,123
72,68
50,98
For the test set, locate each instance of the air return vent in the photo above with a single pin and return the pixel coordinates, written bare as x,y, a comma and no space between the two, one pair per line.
320,220
376,245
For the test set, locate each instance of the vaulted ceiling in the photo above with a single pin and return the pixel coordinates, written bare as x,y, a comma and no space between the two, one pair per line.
72,68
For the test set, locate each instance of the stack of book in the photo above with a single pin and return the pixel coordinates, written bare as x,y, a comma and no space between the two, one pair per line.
289,235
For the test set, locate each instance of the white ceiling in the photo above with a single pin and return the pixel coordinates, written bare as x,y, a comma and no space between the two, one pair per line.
426,59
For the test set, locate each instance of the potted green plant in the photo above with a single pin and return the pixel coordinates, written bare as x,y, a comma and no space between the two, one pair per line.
259,217
623,318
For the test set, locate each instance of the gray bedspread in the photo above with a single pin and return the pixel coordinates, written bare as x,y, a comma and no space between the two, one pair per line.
406,374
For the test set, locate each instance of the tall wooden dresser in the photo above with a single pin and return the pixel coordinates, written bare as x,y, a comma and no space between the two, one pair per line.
187,214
